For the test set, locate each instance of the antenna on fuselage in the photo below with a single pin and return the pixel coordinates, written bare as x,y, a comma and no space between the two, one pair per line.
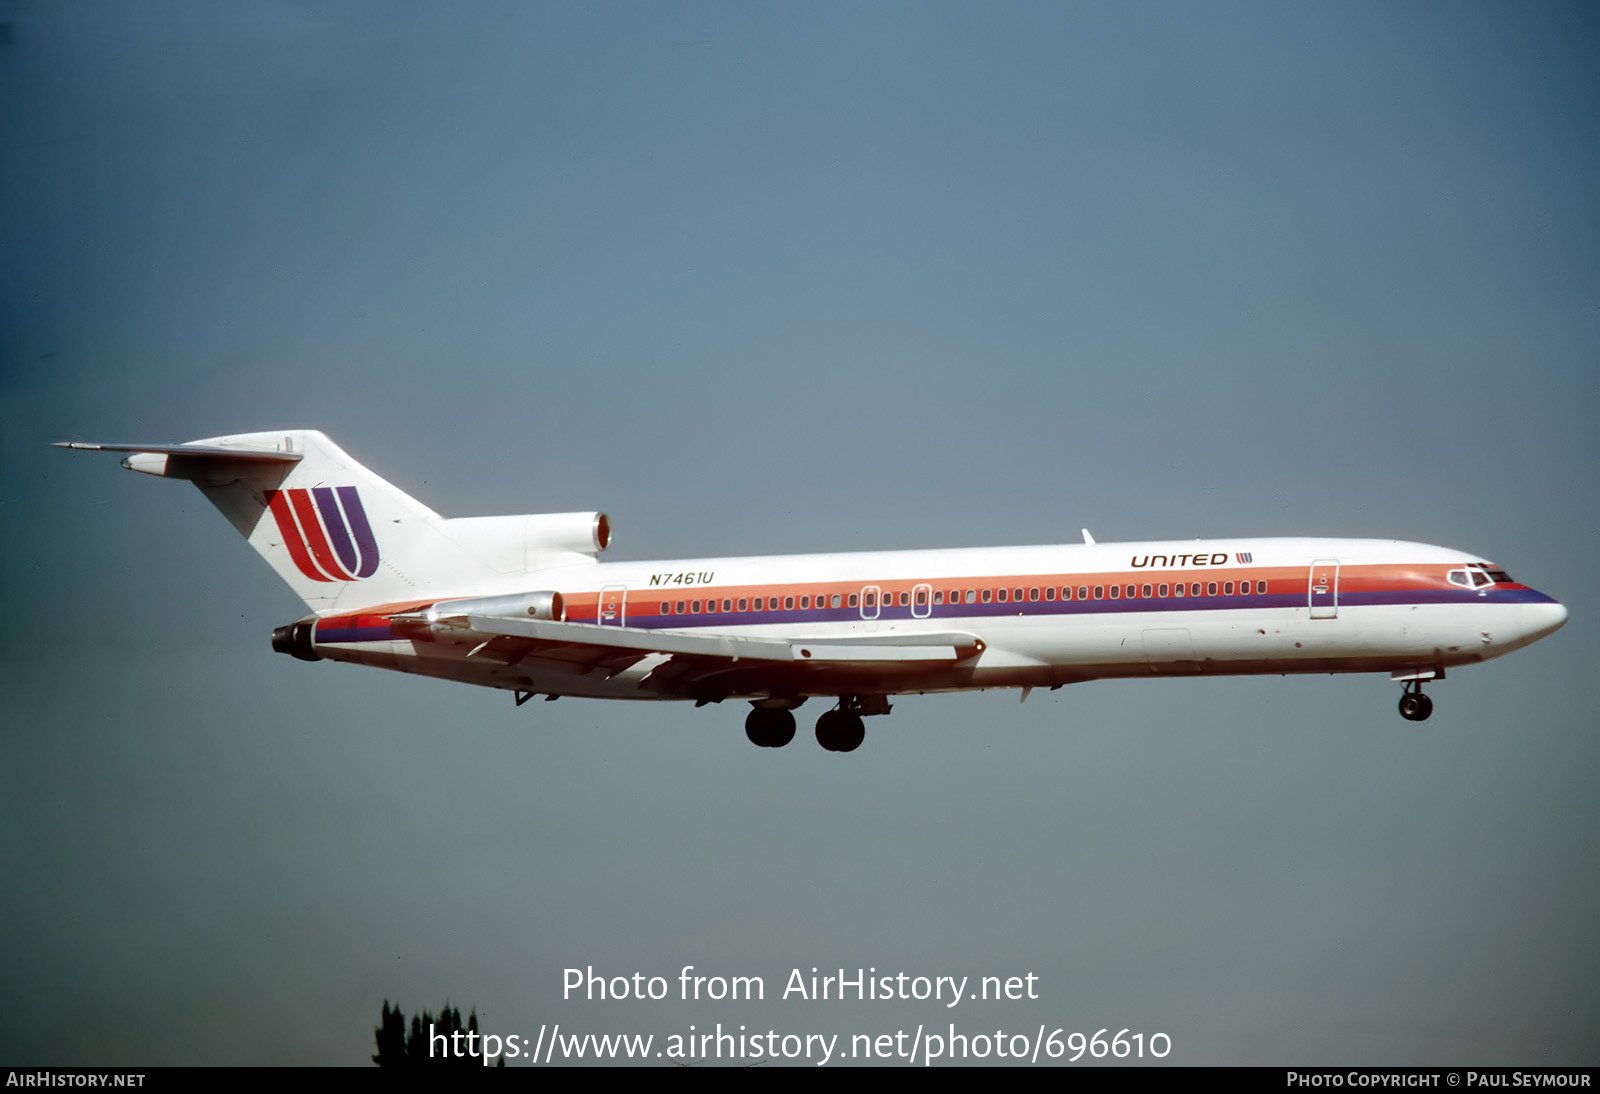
1087,538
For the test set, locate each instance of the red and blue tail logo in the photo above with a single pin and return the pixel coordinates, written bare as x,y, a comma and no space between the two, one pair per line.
326,531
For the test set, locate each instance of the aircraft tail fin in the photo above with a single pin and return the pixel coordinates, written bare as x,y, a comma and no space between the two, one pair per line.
341,536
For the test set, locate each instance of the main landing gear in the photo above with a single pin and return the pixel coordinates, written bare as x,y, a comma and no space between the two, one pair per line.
769,727
838,730
1415,706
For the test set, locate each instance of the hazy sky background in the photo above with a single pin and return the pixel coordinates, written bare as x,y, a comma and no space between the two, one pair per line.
797,277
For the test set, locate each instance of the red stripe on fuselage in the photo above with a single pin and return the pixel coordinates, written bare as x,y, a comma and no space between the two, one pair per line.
377,615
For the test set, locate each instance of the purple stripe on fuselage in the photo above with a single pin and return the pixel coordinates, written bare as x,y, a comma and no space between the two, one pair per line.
354,634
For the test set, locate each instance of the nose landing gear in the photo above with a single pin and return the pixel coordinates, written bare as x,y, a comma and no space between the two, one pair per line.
1415,706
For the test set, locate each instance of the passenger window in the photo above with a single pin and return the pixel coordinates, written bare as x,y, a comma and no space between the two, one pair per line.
1130,592
1163,590
805,602
988,595
972,596
1227,588
1033,594
1178,589
1261,586
1083,593
1099,591
727,605
1144,591
1194,590
905,598
788,603
834,601
1016,594
1002,595
1050,592
744,604
851,600
666,609
694,606
922,597
872,600
1211,588
680,608
1116,592
1244,588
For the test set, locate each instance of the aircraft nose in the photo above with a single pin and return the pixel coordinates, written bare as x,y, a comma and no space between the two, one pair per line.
1539,620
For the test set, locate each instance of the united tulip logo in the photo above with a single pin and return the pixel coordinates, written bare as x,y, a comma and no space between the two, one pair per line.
326,531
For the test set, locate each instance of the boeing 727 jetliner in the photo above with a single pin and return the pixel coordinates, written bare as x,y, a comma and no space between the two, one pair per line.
523,603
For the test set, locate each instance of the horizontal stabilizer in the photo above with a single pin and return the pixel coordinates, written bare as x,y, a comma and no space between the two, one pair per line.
268,454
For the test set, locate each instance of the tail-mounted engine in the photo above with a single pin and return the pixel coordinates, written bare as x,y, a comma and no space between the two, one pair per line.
297,640
516,545
448,618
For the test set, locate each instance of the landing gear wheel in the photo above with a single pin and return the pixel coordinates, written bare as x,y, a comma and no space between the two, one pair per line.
1415,706
840,731
769,728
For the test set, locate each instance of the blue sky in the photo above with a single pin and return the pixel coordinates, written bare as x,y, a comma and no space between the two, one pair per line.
774,278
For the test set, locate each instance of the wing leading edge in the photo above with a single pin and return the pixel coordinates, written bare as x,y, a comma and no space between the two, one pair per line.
688,663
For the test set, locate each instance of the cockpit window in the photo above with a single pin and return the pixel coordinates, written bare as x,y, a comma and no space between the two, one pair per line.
1500,577
1479,578
1459,577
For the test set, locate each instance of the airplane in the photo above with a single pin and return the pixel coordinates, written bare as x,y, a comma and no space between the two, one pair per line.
522,603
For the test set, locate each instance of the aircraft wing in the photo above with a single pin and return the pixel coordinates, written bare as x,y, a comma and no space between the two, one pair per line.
698,664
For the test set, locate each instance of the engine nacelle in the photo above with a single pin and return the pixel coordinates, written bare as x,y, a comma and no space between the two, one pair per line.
514,545
297,640
448,618
545,604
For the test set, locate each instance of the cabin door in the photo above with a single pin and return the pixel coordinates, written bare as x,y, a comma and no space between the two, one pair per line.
613,606
1324,592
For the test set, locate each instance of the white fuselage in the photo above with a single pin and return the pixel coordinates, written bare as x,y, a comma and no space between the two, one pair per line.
1043,616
